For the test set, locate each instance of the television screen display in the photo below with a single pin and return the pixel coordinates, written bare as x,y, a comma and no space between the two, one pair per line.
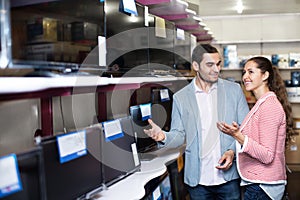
119,155
161,49
31,168
182,50
127,40
161,108
144,142
75,178
58,35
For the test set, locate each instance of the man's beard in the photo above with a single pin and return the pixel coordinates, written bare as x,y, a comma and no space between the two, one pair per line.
204,79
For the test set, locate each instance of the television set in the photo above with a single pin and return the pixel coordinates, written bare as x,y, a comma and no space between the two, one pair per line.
182,50
145,144
126,41
31,169
161,109
77,178
161,49
57,35
119,156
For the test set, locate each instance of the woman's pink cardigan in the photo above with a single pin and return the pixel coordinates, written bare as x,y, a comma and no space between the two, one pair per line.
261,159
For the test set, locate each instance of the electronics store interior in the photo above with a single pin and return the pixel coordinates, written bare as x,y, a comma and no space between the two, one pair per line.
80,79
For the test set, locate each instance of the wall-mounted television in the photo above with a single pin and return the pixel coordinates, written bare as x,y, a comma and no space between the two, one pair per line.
59,35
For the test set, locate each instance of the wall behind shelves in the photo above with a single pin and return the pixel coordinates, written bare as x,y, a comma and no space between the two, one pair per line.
254,28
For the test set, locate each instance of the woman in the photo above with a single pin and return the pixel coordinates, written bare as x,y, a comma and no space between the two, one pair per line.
265,131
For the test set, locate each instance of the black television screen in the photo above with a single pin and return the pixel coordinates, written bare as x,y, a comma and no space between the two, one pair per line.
144,142
76,178
161,49
182,50
161,108
31,169
59,35
127,40
119,155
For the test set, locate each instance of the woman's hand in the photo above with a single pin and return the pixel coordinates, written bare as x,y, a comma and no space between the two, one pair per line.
232,130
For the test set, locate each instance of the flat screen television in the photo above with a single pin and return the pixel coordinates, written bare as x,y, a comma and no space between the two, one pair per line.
161,109
77,178
119,155
127,41
57,35
161,49
144,142
182,50
31,169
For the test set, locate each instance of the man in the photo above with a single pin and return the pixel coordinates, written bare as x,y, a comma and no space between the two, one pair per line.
210,168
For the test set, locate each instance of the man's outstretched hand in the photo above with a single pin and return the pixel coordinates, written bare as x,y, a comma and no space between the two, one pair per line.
155,132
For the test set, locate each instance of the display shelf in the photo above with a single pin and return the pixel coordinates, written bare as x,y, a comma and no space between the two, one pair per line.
20,85
132,187
17,88
10,85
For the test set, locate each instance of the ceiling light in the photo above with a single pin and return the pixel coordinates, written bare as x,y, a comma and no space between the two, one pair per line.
190,11
239,6
197,18
202,24
182,2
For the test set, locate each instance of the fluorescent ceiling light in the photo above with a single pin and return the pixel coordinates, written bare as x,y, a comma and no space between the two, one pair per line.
190,11
239,6
182,2
197,18
202,24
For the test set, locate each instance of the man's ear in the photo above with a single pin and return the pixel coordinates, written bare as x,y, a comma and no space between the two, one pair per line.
195,66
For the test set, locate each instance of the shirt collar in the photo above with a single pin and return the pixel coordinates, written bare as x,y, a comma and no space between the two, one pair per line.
199,90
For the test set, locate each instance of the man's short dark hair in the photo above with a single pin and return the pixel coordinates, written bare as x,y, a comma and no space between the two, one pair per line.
200,50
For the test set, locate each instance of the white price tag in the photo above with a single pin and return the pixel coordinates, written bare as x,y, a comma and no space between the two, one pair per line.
71,145
164,95
10,181
112,130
